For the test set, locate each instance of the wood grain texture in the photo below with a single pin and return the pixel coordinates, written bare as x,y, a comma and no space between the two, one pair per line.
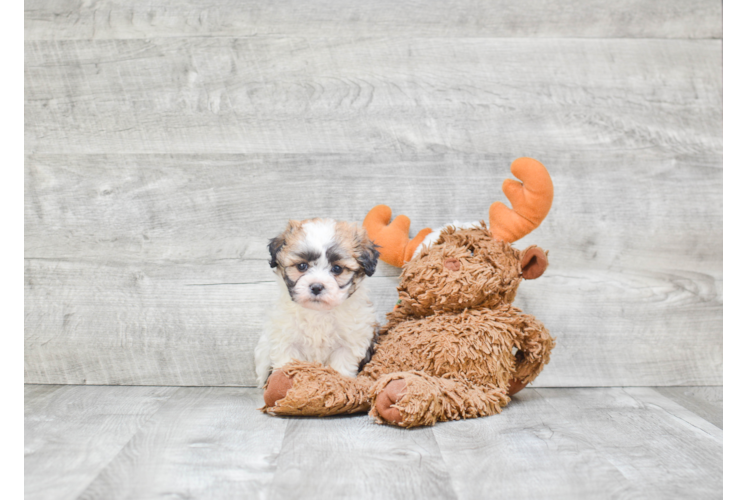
73,433
166,143
372,95
197,324
638,244
706,402
474,18
352,457
148,324
204,443
36,396
213,443
644,209
585,443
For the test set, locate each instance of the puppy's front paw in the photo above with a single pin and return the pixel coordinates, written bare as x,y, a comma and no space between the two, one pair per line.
277,387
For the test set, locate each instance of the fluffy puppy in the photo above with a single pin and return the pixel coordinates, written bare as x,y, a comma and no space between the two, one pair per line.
323,312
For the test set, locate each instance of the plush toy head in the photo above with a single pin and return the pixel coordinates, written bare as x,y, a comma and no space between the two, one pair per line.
466,268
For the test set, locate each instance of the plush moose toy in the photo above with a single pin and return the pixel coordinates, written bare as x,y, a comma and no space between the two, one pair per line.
454,347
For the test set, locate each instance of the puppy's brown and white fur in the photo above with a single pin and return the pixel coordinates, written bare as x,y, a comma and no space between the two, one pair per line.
323,312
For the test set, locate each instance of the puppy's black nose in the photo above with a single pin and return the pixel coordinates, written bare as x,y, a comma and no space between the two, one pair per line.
317,288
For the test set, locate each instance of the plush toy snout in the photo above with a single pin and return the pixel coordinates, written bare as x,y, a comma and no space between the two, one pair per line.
452,264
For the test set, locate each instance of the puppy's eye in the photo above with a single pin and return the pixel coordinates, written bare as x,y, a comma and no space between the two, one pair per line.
302,267
336,269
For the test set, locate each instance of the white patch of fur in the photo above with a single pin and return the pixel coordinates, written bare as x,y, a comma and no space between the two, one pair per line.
433,236
319,233
338,338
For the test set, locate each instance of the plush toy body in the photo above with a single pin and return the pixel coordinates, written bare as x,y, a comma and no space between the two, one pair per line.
454,347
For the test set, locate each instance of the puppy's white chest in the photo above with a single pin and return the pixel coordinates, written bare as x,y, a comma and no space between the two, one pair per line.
316,337
339,338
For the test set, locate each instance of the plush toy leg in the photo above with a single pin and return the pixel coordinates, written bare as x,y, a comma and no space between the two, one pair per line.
534,351
314,390
411,399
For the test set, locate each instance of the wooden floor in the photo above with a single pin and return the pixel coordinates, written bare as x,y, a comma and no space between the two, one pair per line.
211,442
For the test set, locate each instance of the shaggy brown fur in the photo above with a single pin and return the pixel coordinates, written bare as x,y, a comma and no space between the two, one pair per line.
451,339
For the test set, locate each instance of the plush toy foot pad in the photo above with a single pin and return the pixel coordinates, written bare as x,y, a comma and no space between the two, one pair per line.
514,387
389,397
278,385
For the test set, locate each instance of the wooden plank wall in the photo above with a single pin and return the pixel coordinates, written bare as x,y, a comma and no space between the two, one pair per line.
165,144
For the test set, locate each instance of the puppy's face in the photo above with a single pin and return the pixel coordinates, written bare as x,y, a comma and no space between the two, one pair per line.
322,261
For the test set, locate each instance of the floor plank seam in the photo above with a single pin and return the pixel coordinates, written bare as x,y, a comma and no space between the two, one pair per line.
685,411
444,461
134,434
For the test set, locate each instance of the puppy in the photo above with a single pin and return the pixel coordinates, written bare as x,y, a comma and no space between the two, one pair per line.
323,312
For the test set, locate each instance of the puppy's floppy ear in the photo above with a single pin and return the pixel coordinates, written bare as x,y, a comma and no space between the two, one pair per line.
275,245
368,253
279,241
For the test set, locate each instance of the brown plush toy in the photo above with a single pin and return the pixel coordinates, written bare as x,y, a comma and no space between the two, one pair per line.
454,347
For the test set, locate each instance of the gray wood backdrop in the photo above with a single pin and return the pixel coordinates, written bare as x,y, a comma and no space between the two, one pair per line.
166,143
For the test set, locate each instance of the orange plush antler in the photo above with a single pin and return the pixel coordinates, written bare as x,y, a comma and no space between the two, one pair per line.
531,200
395,246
